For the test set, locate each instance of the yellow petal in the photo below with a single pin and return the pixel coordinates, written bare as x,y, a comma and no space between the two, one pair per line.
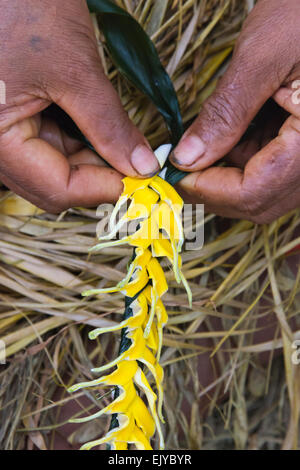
140,261
142,417
156,370
187,288
147,232
112,221
157,275
160,342
160,310
143,201
132,185
119,405
139,440
107,290
124,372
172,198
162,247
119,445
135,351
152,340
102,245
142,382
165,219
161,313
162,319
142,204
119,434
139,280
154,298
163,216
139,309
167,193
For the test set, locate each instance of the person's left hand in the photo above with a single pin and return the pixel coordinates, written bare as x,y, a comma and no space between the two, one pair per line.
265,64
262,131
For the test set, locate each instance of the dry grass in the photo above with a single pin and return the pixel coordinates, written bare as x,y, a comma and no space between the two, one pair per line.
236,342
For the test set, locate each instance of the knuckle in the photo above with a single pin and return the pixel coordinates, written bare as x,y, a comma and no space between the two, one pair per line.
84,63
79,27
51,202
52,208
252,204
264,219
225,110
81,78
4,125
55,203
268,61
79,70
246,44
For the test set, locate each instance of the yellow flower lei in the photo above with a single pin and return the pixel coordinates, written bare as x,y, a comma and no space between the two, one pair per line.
158,207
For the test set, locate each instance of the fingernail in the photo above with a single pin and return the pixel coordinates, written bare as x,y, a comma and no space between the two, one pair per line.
144,161
189,150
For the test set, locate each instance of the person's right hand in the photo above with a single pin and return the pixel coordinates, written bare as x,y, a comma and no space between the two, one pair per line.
49,54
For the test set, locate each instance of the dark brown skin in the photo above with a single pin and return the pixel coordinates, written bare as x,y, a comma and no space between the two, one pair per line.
266,63
49,54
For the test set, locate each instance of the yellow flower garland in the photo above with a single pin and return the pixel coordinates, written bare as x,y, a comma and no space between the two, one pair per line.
157,207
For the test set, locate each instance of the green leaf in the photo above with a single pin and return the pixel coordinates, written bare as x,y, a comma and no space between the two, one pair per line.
137,59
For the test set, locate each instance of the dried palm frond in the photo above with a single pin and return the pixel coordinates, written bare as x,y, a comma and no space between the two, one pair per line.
230,381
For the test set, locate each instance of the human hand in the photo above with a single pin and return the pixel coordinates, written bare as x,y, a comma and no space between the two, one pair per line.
49,54
265,63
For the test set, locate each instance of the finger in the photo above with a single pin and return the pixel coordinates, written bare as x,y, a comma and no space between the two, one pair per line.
289,98
241,154
225,116
46,178
73,149
262,130
86,157
51,133
92,102
217,188
266,189
223,119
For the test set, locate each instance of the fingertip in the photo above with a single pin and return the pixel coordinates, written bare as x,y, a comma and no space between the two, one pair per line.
90,185
112,185
189,182
86,157
289,98
189,150
144,161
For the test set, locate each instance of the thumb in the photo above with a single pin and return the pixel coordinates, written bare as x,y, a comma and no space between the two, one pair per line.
94,105
226,115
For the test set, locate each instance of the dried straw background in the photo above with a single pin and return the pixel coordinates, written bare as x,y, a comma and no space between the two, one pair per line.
245,284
